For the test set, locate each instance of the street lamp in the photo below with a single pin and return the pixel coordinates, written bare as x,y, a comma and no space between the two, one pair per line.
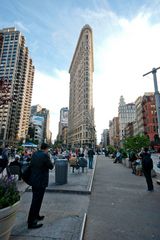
157,95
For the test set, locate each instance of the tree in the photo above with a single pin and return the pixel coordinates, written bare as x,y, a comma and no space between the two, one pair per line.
135,143
111,149
57,144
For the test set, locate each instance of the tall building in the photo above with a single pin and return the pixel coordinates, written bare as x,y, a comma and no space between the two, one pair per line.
114,132
63,122
64,135
36,111
17,68
146,117
36,129
129,130
139,124
46,135
150,117
105,138
81,129
126,114
111,133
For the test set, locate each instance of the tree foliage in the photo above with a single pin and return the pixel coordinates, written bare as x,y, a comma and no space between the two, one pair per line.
123,152
135,143
111,149
57,144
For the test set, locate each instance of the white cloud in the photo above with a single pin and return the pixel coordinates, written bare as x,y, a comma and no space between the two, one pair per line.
19,25
120,62
52,92
123,51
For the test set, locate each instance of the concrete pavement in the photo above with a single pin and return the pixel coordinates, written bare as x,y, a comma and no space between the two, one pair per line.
120,208
64,207
63,217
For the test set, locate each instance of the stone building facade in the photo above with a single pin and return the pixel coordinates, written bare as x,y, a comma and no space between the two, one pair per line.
81,129
126,114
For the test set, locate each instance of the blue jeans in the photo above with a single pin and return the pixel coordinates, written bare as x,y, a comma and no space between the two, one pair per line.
90,162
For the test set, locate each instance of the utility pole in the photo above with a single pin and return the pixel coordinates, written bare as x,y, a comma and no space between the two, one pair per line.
157,95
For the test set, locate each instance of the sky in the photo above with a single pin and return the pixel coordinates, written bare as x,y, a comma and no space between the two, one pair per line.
126,37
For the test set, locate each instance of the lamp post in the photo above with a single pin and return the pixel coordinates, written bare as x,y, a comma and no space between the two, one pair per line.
157,95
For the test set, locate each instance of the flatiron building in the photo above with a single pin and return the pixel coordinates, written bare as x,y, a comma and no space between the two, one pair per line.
81,129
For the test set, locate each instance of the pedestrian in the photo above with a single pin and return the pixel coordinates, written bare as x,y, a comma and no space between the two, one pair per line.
81,150
90,157
106,152
40,165
17,163
82,162
86,153
132,160
118,157
147,166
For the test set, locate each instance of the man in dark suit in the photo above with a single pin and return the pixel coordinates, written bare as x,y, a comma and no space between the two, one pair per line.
147,166
40,165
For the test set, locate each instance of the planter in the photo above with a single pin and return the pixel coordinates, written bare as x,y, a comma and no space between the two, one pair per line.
7,220
124,161
128,163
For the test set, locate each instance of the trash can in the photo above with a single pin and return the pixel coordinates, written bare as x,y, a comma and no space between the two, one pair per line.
61,171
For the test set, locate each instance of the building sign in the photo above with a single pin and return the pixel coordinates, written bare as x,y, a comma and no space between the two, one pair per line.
37,120
64,116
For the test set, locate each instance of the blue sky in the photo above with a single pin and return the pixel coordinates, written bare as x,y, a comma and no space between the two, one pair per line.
51,27
126,44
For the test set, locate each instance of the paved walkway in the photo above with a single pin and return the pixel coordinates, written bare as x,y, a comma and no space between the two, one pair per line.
120,208
64,207
63,217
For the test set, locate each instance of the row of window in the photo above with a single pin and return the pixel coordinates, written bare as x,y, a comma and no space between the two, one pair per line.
10,52
153,120
10,38
10,45
9,48
151,129
4,60
4,55
9,65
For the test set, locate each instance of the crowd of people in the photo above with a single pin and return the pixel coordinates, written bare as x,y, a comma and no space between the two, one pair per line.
141,164
40,161
12,157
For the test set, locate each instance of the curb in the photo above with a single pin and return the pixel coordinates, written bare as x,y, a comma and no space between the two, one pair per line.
63,191
83,227
91,183
67,191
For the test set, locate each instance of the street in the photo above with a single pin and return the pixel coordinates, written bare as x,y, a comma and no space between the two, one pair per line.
120,207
